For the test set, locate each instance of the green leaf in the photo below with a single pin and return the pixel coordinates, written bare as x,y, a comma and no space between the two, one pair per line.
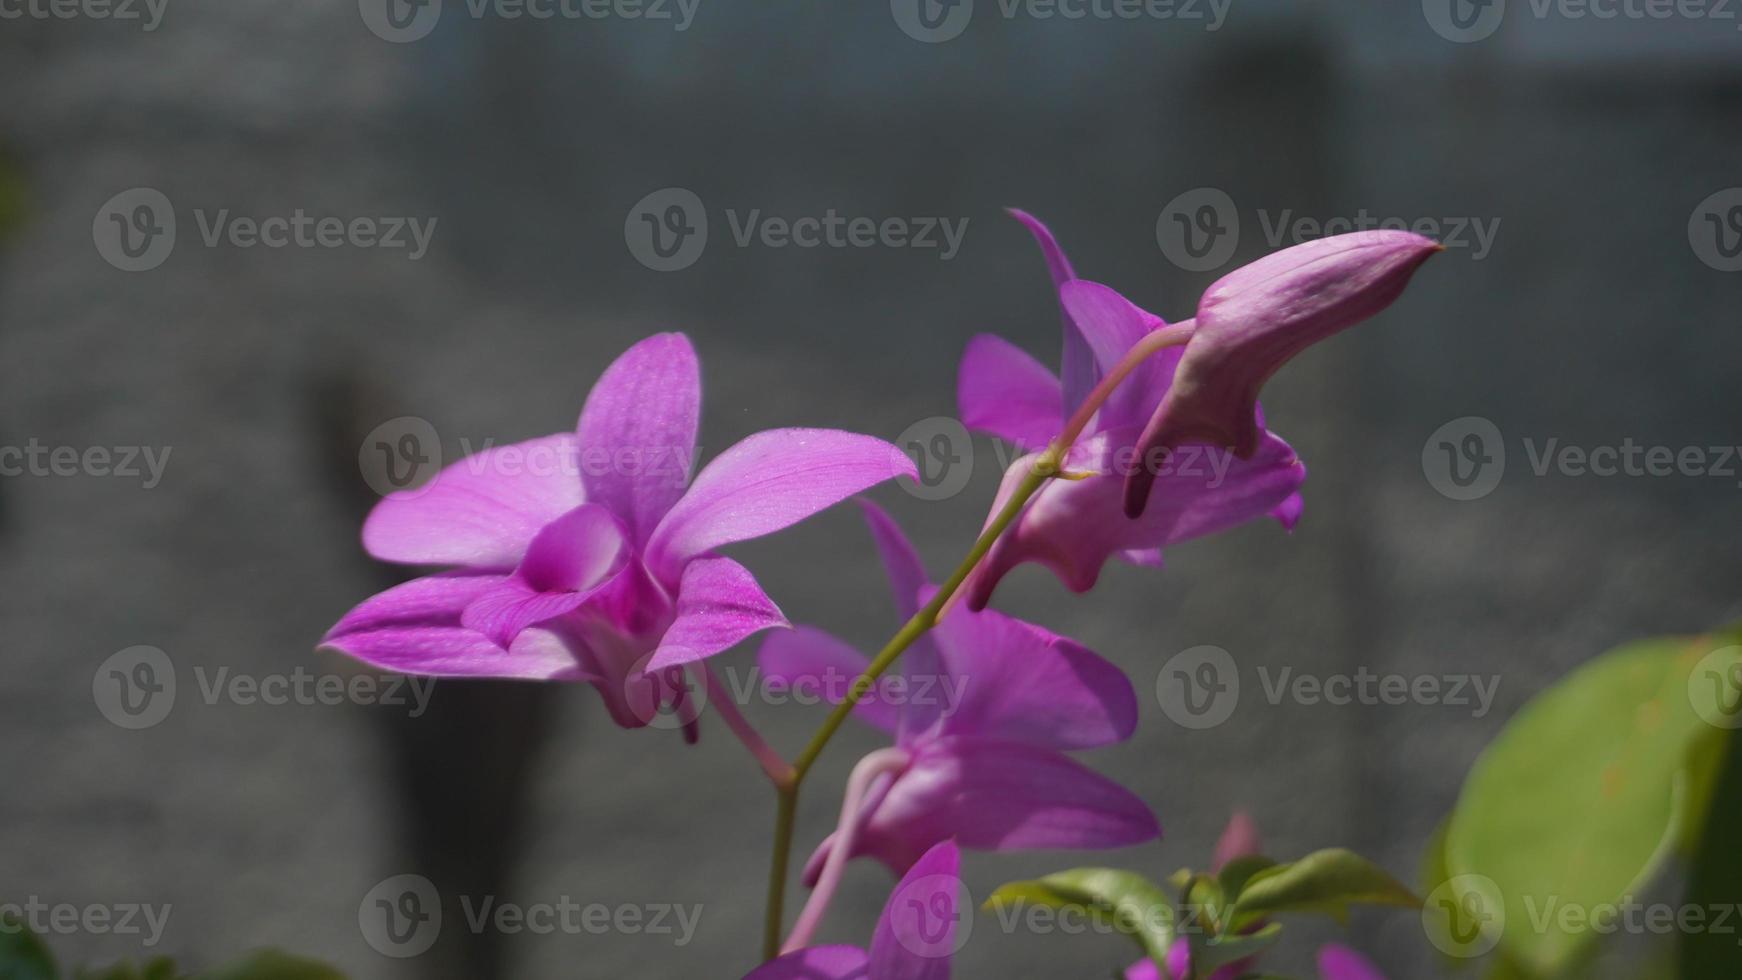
1237,872
1202,906
1327,881
1130,902
22,953
270,964
1577,802
1716,877
158,968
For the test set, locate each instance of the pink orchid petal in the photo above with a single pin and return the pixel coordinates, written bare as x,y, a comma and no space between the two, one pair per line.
1111,326
1256,318
901,563
995,795
434,600
576,551
816,963
1002,390
916,932
1020,683
1147,970
907,576
718,605
415,629
482,511
1077,361
769,481
564,565
506,611
638,431
811,662
1337,962
1073,527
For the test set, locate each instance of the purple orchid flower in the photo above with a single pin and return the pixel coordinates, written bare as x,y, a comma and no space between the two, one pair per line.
1074,526
1253,320
590,556
915,935
982,717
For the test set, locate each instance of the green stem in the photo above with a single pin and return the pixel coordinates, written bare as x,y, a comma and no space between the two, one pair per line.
1044,468
786,810
1047,465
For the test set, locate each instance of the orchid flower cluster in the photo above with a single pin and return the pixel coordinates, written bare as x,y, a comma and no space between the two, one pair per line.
613,576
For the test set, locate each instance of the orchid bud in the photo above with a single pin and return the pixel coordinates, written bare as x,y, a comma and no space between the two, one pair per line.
1257,317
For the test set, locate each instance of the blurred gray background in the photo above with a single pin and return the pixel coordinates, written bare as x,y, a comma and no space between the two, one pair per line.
1589,147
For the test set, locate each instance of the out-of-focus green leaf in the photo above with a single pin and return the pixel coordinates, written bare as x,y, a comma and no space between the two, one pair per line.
1578,800
271,964
1716,876
157,968
1133,904
1236,873
1327,881
22,953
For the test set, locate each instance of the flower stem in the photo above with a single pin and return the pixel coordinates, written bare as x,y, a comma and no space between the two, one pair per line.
778,770
1046,466
1156,340
922,621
